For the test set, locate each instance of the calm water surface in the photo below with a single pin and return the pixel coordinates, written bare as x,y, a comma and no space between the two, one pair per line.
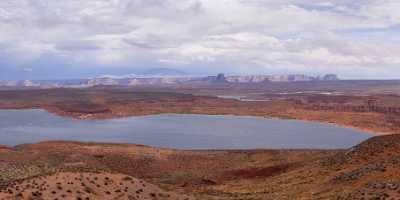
176,131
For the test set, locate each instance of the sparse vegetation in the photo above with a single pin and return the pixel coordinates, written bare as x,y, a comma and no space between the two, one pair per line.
72,170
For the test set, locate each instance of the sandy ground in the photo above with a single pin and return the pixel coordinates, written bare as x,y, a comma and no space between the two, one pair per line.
85,186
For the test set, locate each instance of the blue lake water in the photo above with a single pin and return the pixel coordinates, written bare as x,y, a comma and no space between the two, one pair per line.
177,131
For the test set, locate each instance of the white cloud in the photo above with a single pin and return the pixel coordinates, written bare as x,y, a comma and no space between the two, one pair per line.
27,69
242,35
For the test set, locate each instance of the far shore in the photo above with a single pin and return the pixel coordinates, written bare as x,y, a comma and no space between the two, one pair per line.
97,104
111,116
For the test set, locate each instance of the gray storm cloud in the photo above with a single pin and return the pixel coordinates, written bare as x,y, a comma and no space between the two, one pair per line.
352,38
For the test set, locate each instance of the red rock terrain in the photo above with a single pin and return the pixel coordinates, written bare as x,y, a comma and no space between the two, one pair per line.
367,171
86,186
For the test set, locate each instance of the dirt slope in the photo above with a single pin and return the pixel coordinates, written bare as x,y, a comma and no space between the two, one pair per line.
370,170
85,186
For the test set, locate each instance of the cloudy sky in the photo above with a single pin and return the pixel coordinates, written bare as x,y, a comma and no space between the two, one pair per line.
48,39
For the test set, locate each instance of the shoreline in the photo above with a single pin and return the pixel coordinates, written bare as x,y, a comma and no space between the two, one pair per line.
108,116
149,147
366,130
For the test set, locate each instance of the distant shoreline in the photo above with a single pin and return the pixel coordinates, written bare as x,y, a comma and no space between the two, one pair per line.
109,103
94,117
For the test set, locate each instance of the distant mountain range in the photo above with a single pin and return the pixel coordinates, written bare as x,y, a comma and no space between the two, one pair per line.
164,72
151,73
164,77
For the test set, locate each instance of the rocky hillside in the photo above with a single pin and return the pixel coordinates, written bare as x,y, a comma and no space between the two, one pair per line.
367,171
86,186
68,170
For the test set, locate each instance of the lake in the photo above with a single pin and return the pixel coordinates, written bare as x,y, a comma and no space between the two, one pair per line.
177,131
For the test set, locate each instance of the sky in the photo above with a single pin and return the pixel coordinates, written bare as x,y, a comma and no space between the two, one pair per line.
54,39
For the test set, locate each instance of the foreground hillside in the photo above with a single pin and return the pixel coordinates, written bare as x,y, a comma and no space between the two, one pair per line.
367,171
85,186
69,170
